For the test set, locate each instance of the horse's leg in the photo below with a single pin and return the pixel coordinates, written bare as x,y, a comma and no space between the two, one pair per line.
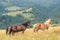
22,32
10,31
13,33
47,28
34,30
37,30
7,31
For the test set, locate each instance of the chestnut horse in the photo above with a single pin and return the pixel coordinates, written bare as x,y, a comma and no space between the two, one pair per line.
42,26
18,28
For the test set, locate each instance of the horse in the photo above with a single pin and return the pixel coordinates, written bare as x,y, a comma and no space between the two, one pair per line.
17,28
42,26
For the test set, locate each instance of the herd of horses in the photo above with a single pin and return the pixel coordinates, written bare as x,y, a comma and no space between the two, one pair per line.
22,27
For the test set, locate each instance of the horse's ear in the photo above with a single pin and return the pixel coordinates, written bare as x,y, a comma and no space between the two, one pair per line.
28,21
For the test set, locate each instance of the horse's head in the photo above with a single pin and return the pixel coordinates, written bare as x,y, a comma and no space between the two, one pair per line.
48,22
28,23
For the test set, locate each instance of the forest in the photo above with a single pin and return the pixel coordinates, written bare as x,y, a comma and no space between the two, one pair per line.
16,12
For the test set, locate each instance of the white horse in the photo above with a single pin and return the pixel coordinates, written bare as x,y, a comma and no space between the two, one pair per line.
42,26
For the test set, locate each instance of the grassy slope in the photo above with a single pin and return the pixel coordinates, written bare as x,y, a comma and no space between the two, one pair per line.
51,34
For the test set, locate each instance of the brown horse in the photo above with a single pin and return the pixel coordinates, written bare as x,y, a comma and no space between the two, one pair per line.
17,28
42,26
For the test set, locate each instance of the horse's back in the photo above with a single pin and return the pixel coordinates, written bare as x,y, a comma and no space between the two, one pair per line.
36,25
43,26
39,26
20,27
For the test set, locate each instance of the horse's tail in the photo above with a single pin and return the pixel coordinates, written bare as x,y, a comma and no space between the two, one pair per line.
6,30
10,30
34,27
34,30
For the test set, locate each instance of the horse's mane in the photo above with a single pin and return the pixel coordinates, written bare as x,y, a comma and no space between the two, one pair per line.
47,22
26,23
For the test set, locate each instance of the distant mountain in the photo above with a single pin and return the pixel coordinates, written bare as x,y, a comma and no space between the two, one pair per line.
15,12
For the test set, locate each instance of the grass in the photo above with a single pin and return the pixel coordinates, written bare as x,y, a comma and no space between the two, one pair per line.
50,34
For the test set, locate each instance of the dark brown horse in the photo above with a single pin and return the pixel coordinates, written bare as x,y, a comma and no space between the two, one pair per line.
42,26
18,28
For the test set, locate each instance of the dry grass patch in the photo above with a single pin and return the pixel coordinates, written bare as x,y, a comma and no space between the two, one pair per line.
53,33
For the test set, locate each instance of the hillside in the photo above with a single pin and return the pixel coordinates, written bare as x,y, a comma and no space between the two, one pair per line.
15,12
